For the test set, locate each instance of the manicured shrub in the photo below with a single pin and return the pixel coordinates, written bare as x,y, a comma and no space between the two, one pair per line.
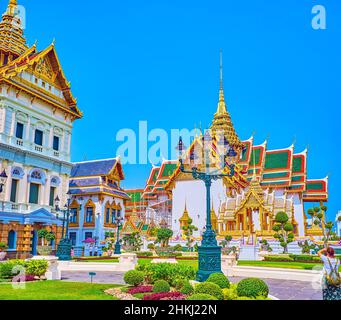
230,293
187,288
161,286
281,217
305,258
179,283
209,288
177,247
11,268
220,279
164,295
37,267
252,287
144,254
278,258
201,296
169,272
133,277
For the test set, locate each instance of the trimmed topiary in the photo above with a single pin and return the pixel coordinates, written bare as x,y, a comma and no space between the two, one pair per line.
133,277
201,296
161,286
230,293
187,288
220,279
209,288
252,288
281,217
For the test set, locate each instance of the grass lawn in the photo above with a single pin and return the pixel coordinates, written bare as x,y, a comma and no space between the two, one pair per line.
275,264
56,290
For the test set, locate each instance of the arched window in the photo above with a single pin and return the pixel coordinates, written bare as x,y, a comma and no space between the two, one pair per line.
74,208
113,212
90,212
37,176
17,173
107,212
55,181
12,240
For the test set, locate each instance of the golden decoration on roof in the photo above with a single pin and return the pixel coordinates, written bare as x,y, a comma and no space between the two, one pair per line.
222,123
12,39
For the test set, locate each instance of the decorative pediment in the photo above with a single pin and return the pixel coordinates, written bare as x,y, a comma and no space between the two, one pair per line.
44,70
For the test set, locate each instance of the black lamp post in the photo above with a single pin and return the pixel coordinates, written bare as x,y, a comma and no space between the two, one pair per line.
117,244
209,252
64,245
3,179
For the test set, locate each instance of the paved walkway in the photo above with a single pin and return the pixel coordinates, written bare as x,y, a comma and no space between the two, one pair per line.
290,290
282,289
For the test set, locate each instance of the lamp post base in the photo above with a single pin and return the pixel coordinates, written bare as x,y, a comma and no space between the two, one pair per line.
117,248
64,250
209,261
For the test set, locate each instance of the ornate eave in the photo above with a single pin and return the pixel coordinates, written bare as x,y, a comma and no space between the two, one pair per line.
33,62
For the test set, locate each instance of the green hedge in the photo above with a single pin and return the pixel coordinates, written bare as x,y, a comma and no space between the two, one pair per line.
252,287
220,279
209,288
133,277
201,296
169,272
161,286
12,268
278,258
305,258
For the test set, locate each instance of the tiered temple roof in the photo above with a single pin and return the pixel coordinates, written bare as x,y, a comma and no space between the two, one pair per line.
16,58
98,177
158,179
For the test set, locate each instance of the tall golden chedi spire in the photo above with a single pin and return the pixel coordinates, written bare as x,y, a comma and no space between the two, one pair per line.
12,41
222,123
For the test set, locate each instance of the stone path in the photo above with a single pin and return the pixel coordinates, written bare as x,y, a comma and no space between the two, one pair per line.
103,277
290,290
282,289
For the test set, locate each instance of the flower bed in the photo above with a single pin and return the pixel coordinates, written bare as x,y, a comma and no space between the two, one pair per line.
140,289
164,296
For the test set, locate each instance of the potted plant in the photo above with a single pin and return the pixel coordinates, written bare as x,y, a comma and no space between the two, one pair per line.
46,237
3,253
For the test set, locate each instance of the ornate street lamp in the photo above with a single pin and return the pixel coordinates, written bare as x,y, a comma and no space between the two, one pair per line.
209,253
118,220
65,244
3,179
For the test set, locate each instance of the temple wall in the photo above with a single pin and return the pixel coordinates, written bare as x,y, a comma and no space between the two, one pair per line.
299,214
193,193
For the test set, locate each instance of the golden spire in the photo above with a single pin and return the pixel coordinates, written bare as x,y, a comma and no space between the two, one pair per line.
222,124
221,104
12,41
11,7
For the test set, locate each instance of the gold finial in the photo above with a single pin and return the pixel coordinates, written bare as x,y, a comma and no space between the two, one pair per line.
11,7
221,105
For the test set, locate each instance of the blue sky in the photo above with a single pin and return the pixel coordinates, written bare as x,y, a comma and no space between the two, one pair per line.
159,61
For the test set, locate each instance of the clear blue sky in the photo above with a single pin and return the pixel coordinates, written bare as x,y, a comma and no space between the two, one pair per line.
159,61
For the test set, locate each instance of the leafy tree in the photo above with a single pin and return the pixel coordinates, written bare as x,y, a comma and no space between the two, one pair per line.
163,235
283,230
133,240
188,232
43,234
224,243
317,215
